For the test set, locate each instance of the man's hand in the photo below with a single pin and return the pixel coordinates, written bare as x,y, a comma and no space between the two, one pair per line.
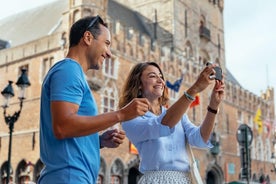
112,138
136,107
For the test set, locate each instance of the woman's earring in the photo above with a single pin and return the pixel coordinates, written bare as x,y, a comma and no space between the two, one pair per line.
139,94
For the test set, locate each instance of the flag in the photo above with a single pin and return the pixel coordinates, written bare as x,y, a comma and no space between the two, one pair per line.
268,127
196,101
258,120
175,86
132,149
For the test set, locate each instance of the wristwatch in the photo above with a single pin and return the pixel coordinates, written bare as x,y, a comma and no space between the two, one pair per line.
209,109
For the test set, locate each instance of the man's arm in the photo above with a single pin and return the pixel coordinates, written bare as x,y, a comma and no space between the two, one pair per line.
67,123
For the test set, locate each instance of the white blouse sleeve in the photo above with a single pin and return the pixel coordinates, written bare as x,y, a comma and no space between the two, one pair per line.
146,127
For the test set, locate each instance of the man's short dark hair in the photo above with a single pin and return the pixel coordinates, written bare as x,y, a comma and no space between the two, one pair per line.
84,24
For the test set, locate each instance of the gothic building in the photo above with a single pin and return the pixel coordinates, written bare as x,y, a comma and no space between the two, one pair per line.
180,35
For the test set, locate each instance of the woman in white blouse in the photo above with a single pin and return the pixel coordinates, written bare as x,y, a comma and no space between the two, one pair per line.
160,134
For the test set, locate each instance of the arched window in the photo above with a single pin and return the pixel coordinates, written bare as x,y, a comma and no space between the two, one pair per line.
24,172
109,100
110,67
141,55
109,97
102,173
188,50
129,50
116,172
37,169
4,173
100,179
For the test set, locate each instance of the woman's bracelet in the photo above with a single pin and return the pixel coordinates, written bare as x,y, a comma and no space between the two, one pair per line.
189,97
209,109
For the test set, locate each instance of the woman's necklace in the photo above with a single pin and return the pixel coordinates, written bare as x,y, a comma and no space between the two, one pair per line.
157,111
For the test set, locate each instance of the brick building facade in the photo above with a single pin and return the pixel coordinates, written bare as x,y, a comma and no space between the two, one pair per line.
180,35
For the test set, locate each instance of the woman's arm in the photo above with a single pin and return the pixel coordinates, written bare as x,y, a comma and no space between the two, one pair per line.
176,111
212,110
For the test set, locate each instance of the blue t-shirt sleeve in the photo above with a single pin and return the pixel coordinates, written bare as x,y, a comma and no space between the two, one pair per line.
146,127
67,83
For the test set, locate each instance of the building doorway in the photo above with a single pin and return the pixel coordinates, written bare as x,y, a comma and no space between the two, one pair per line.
214,175
134,175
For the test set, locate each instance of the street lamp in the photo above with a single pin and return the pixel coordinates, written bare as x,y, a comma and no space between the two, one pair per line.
8,93
215,142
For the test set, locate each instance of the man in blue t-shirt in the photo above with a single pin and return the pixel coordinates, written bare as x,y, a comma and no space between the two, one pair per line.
69,120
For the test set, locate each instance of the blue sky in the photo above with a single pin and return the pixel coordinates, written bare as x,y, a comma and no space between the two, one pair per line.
250,42
249,39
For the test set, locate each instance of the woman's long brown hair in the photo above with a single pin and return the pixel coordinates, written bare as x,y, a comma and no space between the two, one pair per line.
133,83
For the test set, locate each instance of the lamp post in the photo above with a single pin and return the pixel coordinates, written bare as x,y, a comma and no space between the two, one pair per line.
245,137
22,83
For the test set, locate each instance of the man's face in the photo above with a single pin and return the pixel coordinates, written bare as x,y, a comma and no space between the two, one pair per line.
100,49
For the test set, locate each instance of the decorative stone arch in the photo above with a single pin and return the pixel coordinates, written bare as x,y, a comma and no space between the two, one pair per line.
24,172
37,169
3,170
117,171
102,176
214,174
76,15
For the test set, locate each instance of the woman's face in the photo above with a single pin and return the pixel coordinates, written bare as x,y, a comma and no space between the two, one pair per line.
152,83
